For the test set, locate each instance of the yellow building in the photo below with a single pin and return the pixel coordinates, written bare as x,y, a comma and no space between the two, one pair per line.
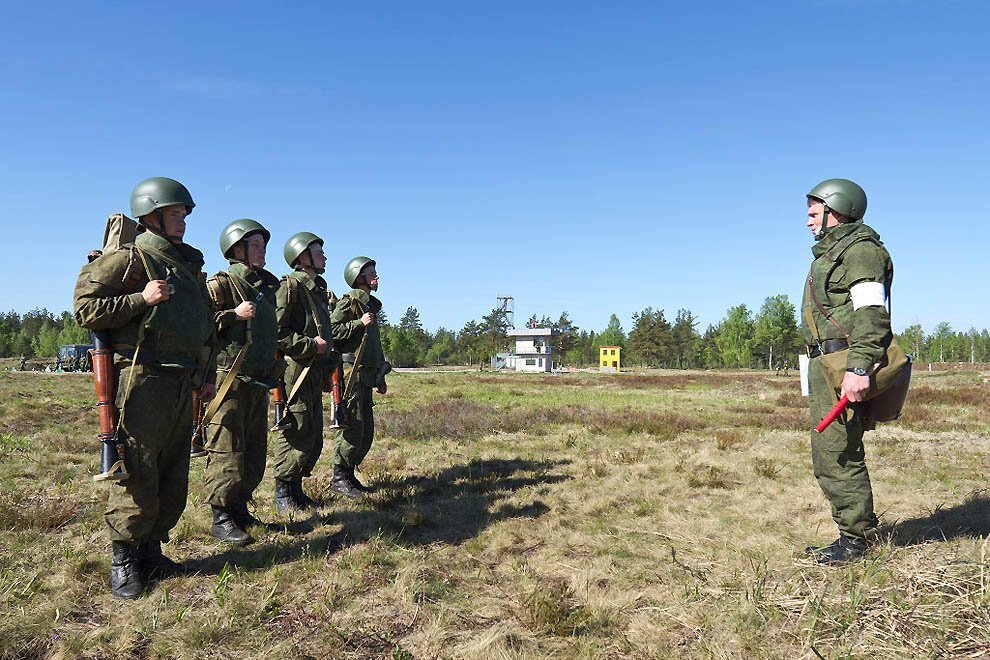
608,359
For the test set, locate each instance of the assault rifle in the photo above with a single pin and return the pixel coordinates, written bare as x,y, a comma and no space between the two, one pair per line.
336,388
113,450
280,397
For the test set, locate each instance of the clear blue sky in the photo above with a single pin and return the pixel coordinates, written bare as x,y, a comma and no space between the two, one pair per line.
664,148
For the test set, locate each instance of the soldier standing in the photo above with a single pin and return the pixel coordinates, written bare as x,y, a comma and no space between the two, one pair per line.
357,335
303,312
24,362
151,299
243,299
844,310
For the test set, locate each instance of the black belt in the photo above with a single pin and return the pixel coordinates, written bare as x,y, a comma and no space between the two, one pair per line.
347,358
826,347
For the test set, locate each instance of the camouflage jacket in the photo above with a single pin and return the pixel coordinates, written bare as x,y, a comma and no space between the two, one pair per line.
302,308
227,290
850,278
348,331
176,333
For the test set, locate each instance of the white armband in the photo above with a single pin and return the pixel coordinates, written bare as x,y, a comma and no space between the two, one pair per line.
867,294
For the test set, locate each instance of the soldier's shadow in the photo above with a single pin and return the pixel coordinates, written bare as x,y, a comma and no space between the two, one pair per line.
450,507
971,519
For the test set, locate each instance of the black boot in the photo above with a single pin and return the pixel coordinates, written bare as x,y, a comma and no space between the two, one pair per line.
843,550
303,500
126,582
225,529
354,480
155,564
239,512
341,484
283,497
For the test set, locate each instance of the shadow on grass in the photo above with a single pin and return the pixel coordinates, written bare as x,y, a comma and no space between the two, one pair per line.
969,519
450,507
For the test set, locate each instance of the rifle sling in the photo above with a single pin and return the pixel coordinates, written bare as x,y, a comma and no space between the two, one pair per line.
235,368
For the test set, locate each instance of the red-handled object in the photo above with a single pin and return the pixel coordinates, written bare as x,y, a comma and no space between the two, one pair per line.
833,414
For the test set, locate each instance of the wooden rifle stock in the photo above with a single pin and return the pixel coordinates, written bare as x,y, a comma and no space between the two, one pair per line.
337,390
112,449
196,448
280,397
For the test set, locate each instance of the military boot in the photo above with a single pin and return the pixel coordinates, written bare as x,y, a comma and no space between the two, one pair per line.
341,484
126,582
283,497
225,529
239,512
355,482
156,564
303,501
843,550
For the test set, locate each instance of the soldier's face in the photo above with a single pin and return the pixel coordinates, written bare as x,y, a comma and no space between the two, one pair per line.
317,258
370,276
174,220
816,213
256,250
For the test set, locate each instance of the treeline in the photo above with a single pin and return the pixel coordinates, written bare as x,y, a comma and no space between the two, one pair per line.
38,333
766,338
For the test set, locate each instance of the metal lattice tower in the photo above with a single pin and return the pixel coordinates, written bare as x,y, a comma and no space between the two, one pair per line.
507,304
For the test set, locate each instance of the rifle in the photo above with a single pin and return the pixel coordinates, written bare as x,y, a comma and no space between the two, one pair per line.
336,388
281,398
113,450
196,448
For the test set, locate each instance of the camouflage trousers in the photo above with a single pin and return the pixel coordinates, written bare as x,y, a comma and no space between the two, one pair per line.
353,443
839,461
237,442
296,449
157,413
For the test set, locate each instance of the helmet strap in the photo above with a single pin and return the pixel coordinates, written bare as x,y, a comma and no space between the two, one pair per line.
160,229
824,228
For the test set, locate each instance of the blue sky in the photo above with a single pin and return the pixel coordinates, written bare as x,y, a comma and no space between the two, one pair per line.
645,153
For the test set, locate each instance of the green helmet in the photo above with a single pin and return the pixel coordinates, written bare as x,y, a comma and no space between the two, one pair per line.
157,192
238,230
297,244
354,267
842,196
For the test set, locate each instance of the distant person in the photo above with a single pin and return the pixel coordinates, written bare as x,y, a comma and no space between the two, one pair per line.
844,311
237,438
151,300
358,337
303,305
24,362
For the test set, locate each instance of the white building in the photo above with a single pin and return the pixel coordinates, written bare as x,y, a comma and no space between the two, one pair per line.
534,348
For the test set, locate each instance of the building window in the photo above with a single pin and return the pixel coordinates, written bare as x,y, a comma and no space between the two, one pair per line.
541,362
530,362
615,364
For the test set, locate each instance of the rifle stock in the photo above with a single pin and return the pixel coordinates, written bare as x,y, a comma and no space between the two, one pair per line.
336,388
281,398
196,448
112,448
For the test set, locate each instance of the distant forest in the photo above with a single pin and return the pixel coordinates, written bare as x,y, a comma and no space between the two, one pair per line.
762,339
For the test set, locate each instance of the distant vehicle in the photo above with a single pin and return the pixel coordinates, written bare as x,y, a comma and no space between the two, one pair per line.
75,357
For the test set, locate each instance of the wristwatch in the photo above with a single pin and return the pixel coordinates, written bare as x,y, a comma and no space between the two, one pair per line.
859,371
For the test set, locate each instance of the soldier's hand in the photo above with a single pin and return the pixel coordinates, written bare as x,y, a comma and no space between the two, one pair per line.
321,345
855,387
368,319
155,292
208,392
245,310
383,388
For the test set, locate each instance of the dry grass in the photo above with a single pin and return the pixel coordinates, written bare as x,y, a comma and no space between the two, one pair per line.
581,516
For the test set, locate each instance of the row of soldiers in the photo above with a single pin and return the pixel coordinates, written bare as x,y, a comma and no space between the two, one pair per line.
225,342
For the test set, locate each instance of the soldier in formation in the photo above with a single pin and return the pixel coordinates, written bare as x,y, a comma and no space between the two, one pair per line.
844,310
357,335
151,298
303,305
243,300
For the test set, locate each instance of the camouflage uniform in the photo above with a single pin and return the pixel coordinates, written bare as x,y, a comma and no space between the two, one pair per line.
154,394
849,254
237,437
301,302
352,444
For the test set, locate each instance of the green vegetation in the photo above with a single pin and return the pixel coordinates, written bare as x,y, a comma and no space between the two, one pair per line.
526,517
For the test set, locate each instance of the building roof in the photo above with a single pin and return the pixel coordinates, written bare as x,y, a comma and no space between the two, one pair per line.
609,347
532,332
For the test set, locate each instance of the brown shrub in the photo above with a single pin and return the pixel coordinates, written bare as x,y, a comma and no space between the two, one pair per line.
37,511
960,396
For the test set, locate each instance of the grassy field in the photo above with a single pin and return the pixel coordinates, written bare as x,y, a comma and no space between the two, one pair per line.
572,516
